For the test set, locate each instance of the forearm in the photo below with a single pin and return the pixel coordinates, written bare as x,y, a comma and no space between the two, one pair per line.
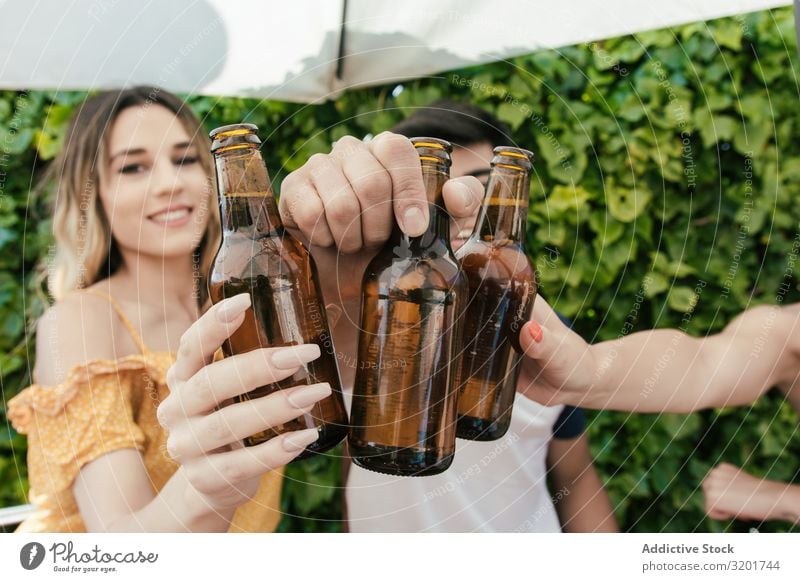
650,371
178,507
580,499
788,507
583,505
667,370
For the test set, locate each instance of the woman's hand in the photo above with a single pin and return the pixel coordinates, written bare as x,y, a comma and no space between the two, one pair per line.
205,431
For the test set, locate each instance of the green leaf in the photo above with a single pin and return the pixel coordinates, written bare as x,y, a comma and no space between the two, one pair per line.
654,284
680,426
567,198
48,144
682,299
607,230
626,204
728,33
714,128
755,107
512,114
751,137
15,141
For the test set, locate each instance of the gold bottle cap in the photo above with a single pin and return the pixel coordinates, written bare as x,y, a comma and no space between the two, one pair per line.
234,137
513,158
432,149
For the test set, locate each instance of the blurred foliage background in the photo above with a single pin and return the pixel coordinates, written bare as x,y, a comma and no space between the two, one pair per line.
665,195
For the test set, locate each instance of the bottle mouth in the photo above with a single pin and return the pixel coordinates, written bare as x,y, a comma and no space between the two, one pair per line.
234,137
232,130
431,149
513,158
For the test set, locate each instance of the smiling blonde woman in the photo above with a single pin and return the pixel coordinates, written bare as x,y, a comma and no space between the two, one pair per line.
125,424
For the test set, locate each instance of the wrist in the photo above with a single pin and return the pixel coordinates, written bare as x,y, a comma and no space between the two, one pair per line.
788,506
200,514
600,366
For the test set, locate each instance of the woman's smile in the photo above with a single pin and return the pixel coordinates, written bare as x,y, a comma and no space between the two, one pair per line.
172,216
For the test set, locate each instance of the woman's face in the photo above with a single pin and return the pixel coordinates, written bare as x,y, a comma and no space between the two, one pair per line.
154,191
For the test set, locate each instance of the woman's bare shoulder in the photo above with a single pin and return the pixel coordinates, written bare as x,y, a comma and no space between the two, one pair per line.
78,328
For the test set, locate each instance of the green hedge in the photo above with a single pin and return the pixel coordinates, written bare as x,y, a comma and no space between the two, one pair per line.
665,195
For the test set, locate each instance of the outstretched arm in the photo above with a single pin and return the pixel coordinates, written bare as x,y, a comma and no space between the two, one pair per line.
662,370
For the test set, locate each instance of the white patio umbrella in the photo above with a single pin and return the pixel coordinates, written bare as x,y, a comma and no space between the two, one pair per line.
302,50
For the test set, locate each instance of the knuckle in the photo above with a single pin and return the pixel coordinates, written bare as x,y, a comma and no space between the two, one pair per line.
283,205
199,387
197,476
231,471
317,159
184,345
290,182
349,142
173,450
214,430
374,187
308,213
171,377
318,163
393,144
162,413
343,209
347,147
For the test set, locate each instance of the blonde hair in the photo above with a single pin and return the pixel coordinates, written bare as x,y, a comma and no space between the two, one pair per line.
85,250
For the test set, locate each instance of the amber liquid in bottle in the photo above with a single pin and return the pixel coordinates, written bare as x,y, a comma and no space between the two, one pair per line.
502,289
257,256
404,399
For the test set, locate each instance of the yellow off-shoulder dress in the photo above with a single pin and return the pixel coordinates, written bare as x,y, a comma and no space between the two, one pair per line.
102,406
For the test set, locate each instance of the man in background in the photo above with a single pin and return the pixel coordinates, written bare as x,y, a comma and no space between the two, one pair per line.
499,486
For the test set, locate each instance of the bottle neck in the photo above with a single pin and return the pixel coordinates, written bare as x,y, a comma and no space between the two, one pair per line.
438,232
504,214
246,201
255,216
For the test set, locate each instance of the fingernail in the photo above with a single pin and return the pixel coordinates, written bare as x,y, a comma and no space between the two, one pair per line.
308,395
298,440
414,221
535,331
233,307
294,356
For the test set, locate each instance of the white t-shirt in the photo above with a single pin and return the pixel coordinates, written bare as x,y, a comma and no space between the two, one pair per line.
497,486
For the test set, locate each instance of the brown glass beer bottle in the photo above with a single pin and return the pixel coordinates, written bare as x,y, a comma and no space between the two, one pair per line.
257,256
502,288
404,400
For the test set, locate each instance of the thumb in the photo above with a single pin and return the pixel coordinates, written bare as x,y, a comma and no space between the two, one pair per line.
536,341
557,365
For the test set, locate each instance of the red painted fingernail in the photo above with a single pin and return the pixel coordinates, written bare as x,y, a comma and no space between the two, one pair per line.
535,331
